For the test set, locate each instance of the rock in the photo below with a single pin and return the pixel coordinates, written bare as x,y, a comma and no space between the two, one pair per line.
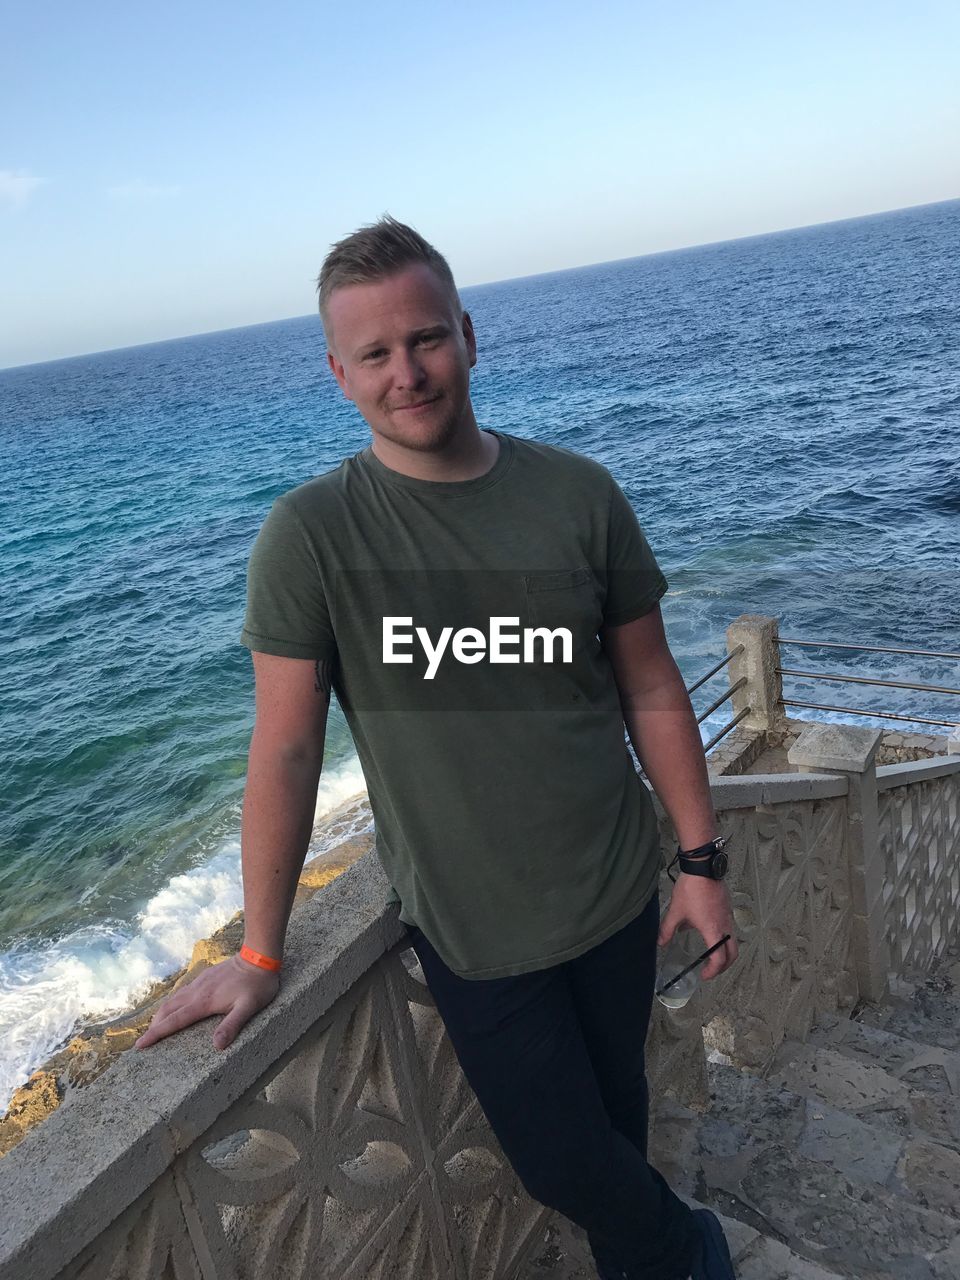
94,1048
30,1104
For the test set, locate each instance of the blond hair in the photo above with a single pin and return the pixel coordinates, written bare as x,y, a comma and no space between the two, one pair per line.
374,252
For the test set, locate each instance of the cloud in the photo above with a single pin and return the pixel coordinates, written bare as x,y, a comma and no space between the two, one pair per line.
17,186
138,191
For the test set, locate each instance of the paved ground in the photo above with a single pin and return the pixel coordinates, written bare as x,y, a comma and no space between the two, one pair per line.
565,1255
841,1160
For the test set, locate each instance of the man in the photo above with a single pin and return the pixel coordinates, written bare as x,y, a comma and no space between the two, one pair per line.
486,609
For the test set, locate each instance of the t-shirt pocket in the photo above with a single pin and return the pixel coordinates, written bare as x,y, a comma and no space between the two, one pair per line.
566,598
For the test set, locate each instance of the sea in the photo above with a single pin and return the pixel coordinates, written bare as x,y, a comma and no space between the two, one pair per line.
782,411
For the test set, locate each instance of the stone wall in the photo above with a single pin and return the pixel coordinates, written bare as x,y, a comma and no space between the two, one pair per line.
895,747
735,753
336,1136
899,748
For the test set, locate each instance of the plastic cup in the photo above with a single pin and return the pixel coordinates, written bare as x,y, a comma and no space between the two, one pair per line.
683,948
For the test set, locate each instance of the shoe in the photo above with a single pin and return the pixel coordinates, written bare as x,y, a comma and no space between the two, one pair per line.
714,1262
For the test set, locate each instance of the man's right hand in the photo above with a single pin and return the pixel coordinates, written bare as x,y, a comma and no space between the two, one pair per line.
232,987
279,802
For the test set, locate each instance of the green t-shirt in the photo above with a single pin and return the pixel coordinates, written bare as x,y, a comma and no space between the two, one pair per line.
510,820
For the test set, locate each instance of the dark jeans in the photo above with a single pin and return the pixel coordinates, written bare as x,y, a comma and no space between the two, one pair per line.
556,1059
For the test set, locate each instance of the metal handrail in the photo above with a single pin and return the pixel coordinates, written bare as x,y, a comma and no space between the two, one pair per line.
850,679
824,675
713,670
738,649
862,711
723,732
868,648
890,684
722,699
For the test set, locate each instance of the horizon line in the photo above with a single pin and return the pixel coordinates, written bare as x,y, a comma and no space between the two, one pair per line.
479,284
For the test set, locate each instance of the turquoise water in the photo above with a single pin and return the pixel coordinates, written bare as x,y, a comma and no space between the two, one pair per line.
783,413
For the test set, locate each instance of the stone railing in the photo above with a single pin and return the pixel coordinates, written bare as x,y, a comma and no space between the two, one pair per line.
918,836
337,1137
790,887
903,850
903,810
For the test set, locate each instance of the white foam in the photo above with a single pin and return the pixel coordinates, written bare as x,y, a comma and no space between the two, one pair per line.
98,971
337,786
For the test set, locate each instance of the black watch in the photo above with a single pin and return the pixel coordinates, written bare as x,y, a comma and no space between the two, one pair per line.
707,860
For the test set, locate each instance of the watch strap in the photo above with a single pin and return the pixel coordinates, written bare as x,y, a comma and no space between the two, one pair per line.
712,846
701,861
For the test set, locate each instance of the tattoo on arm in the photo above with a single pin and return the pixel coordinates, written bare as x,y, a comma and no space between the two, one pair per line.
324,677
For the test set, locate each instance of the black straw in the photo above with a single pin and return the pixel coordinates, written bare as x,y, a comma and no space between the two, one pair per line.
683,972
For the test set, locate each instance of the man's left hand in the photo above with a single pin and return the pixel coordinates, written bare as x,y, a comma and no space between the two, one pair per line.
700,903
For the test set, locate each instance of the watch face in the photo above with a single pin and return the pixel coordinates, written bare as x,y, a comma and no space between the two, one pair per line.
720,864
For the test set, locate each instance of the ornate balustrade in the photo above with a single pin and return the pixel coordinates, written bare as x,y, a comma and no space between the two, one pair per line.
919,848
337,1138
790,888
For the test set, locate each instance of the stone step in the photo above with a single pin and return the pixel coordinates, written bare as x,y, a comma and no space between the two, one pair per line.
845,1069
759,1257
768,1259
929,1068
836,1191
564,1254
866,1121
925,1010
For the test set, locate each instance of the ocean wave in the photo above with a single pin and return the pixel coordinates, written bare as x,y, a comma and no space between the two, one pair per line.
96,972
99,970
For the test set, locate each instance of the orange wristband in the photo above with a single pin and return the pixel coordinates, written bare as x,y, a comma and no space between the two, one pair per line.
262,962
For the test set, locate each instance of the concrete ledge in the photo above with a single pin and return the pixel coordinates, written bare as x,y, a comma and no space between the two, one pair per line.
901,775
775,788
71,1176
752,789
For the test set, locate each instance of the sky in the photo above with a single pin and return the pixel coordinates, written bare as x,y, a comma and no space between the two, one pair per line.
181,168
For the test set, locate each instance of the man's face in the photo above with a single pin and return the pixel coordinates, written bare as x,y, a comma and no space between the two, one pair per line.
402,353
